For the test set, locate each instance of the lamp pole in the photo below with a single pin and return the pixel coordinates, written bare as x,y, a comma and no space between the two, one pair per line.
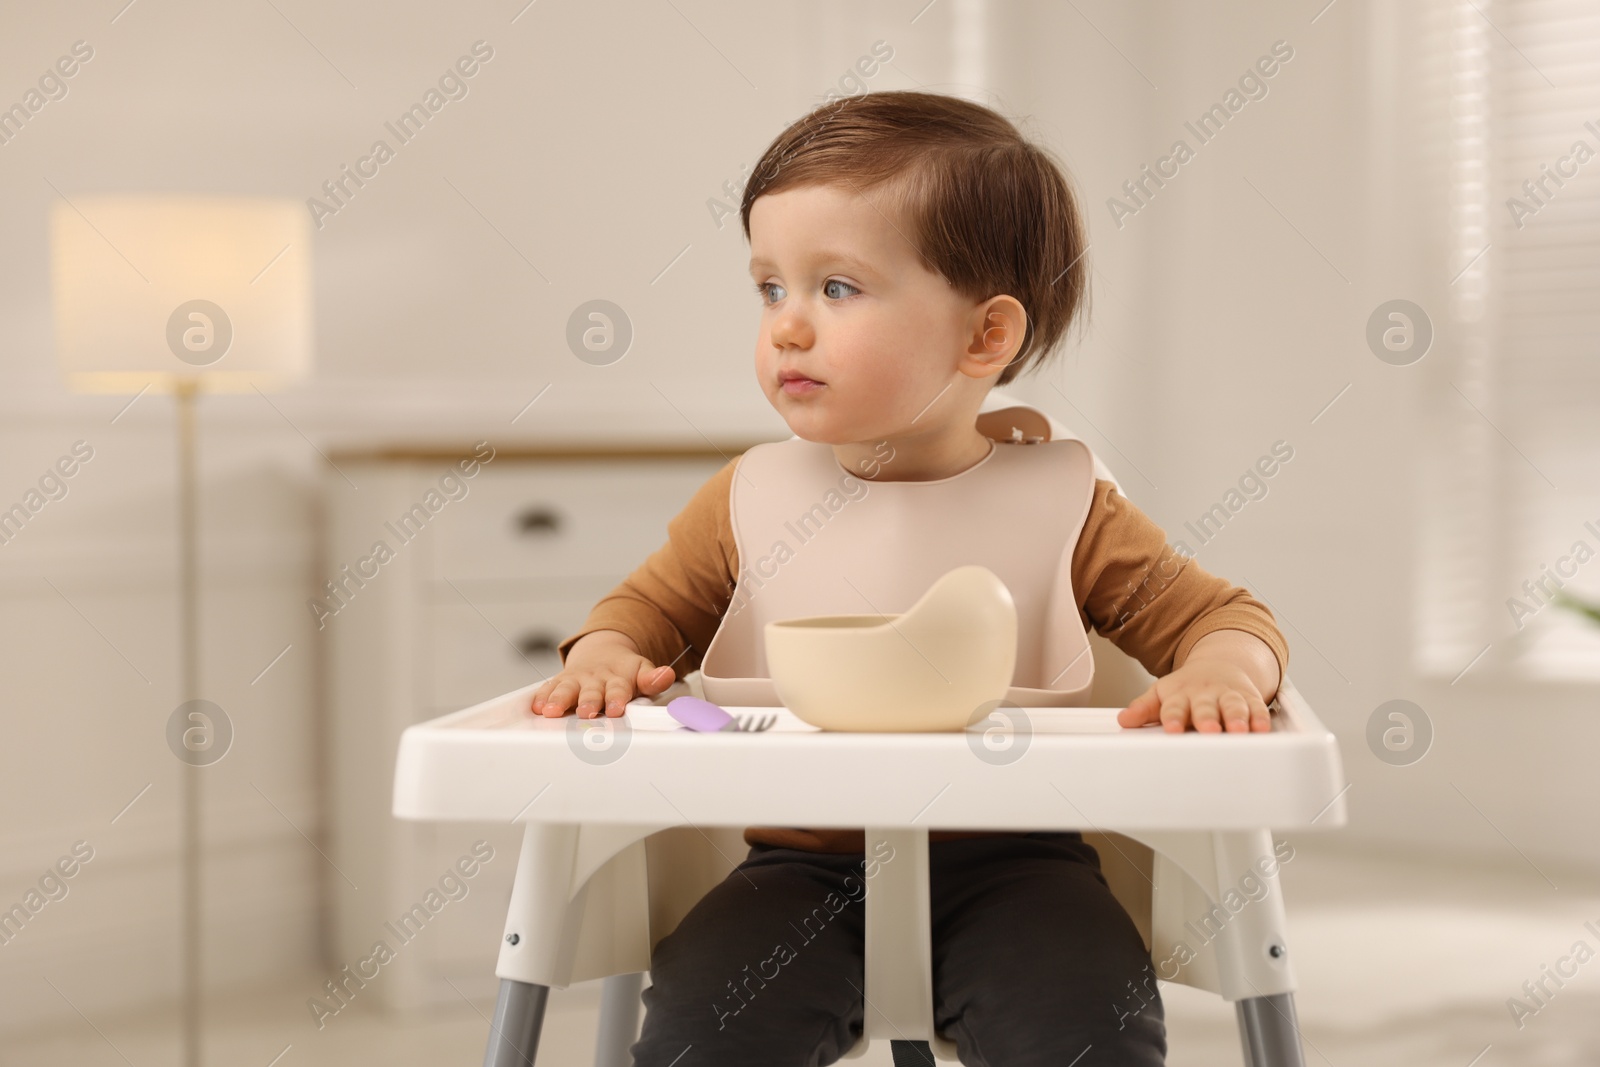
218,276
185,391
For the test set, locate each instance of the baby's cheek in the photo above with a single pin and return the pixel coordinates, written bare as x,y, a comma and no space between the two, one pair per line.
883,369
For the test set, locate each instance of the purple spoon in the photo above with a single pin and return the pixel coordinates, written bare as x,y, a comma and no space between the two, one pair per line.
697,714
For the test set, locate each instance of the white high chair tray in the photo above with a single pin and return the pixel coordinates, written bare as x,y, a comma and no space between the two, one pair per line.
1079,770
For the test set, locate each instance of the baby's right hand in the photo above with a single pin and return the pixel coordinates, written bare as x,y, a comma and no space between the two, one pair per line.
597,671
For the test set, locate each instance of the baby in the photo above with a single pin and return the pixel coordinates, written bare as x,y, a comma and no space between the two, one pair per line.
911,251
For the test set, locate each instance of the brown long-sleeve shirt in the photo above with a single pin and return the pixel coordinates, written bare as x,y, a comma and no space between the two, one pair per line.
1131,586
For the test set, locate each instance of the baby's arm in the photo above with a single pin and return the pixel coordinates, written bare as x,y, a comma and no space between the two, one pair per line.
656,621
1215,650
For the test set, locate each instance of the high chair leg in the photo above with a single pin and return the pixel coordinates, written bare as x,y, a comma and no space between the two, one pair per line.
537,945
619,1020
518,1017
1269,1032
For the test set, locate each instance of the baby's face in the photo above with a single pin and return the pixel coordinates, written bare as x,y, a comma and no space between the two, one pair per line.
850,306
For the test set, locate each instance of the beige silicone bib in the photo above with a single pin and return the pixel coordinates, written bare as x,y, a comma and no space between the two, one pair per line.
814,539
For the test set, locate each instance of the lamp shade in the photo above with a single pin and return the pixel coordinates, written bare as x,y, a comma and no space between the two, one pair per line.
154,290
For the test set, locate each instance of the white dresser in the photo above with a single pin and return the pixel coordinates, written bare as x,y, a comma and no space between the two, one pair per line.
469,601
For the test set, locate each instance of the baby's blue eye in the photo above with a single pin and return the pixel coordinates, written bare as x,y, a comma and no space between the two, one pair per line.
762,287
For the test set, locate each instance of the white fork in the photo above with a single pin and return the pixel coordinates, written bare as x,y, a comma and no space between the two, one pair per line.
750,724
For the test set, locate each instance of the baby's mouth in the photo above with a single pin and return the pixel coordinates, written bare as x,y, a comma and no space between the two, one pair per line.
800,386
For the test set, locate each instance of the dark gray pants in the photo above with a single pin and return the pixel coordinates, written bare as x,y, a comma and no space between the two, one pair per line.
1034,962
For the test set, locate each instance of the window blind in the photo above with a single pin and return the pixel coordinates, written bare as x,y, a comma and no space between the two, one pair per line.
1511,485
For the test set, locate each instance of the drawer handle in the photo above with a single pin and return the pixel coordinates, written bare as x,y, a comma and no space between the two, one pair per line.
537,645
538,519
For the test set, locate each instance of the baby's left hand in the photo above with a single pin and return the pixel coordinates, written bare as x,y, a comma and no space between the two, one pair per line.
1213,693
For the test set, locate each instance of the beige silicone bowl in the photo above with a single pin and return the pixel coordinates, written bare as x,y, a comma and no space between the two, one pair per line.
938,666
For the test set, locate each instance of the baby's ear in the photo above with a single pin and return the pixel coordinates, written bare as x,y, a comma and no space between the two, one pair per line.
996,335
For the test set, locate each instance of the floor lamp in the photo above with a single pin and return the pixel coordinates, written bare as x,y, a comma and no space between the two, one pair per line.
183,294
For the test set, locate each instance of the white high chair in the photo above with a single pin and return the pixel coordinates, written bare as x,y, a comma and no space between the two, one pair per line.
611,862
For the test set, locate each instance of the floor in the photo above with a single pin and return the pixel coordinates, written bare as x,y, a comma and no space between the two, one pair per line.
1399,962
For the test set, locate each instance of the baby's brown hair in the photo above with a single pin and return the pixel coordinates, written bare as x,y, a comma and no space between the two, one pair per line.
985,208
